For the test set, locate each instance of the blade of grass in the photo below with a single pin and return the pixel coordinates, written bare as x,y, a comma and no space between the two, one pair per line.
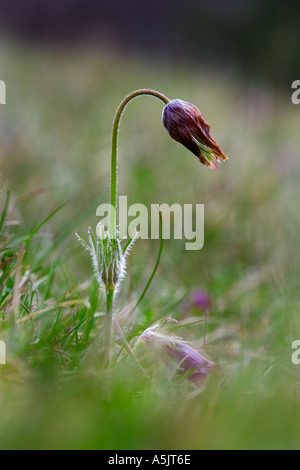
16,242
151,276
71,331
44,222
154,269
3,215
16,297
126,345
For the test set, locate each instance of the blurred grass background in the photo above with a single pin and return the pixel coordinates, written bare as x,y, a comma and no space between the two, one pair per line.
55,149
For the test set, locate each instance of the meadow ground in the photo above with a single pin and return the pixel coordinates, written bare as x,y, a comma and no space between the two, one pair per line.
54,151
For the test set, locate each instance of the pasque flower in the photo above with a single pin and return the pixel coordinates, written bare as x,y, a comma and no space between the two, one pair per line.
186,125
188,360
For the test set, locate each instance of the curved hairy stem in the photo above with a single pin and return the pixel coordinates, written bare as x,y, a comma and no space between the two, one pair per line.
113,202
114,147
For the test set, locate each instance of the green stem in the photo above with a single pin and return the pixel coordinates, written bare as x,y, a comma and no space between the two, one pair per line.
154,269
108,323
113,202
114,148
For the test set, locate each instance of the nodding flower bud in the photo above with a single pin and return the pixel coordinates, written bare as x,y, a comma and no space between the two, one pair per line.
186,125
188,361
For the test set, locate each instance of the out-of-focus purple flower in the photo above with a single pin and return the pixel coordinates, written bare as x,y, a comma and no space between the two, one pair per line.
190,362
200,300
186,125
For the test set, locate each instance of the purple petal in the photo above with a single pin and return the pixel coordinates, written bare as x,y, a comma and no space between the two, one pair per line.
189,360
201,300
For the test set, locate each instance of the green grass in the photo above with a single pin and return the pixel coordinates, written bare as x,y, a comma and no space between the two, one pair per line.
54,150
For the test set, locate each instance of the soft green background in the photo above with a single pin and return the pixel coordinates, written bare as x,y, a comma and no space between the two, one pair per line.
55,148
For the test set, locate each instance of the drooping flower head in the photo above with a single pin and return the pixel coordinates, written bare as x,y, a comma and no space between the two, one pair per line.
186,125
188,361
